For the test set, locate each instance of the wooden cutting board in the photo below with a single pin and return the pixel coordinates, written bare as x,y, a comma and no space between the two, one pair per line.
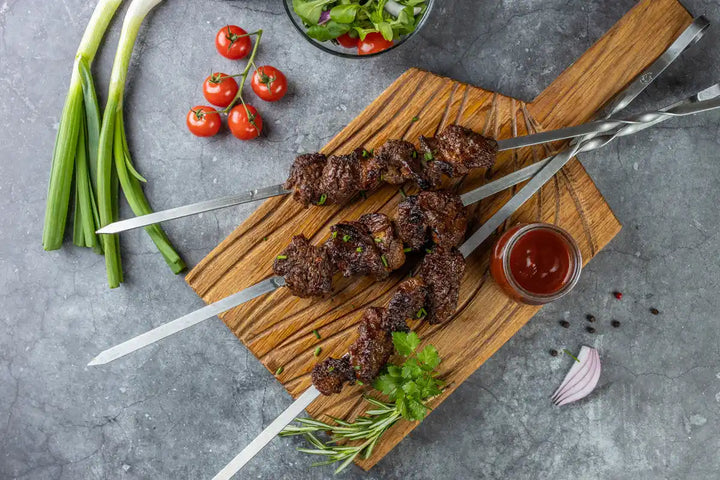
278,328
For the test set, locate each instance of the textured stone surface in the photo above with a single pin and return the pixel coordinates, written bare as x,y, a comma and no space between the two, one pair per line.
183,408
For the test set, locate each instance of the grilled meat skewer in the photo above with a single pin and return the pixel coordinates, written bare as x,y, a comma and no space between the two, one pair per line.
320,180
435,289
373,245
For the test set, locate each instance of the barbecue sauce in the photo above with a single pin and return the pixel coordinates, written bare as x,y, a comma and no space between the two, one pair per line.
535,263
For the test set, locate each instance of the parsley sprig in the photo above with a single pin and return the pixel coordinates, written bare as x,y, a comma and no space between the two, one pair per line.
407,387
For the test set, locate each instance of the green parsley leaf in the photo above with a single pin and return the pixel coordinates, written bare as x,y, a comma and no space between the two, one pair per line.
405,343
429,357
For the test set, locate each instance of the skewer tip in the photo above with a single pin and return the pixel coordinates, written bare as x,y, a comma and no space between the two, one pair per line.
99,360
107,229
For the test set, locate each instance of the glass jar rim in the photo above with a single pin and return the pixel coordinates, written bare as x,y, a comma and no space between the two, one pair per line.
576,262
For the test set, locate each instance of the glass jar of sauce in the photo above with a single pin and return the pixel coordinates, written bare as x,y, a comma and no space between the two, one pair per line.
536,263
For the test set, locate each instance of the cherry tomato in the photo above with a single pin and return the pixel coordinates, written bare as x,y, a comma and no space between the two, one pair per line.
220,89
203,121
374,42
269,83
231,43
243,127
347,41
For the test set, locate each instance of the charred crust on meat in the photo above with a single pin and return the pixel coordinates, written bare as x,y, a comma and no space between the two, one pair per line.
442,271
391,248
353,251
372,347
307,269
409,298
331,374
431,216
304,179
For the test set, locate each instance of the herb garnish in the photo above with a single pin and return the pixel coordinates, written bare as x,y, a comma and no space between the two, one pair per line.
282,257
279,370
428,156
334,234
567,352
322,200
317,351
415,119
359,249
384,260
317,334
346,238
407,249
407,387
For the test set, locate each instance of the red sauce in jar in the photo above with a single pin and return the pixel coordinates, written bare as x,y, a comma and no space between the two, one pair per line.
540,261
536,263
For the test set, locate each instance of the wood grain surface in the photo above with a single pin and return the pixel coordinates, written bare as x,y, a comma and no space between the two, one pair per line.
278,328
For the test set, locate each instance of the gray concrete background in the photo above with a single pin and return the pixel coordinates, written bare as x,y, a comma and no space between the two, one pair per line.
183,408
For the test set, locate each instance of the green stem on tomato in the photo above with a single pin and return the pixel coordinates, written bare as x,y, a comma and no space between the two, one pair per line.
244,75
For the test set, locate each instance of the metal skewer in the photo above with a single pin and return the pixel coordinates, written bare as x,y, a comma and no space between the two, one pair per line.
624,98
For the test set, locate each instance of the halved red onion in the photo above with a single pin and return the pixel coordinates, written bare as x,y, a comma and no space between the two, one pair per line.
582,378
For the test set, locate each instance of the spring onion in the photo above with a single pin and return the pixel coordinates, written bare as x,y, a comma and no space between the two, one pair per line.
114,164
76,144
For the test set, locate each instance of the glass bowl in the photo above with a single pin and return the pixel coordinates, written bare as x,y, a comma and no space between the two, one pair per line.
340,51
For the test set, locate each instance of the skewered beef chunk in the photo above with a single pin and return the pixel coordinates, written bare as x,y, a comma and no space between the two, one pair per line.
442,270
307,269
304,179
373,346
410,223
371,173
353,252
341,177
437,216
329,375
456,150
400,162
382,229
444,216
405,303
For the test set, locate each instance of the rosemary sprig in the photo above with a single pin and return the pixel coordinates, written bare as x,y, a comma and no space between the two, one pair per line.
366,429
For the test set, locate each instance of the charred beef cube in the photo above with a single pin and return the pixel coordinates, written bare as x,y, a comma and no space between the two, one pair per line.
373,346
330,375
353,252
382,229
371,173
445,217
341,177
304,179
400,162
410,223
307,269
456,150
442,270
437,216
405,303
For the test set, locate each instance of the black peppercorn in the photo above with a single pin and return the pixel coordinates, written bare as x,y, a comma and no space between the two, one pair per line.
590,329
564,324
554,353
654,311
615,323
590,318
